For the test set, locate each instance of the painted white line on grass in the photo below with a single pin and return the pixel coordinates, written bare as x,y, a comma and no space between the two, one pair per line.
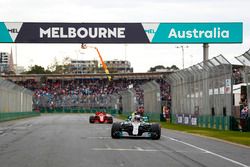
209,152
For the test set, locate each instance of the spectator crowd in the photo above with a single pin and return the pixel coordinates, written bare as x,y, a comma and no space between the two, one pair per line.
87,93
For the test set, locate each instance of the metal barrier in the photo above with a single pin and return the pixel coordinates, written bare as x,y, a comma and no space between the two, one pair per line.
15,101
77,103
204,89
75,100
14,98
244,119
115,101
152,100
78,110
128,101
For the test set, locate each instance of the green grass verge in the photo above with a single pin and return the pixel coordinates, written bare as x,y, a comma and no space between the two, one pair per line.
231,136
8,116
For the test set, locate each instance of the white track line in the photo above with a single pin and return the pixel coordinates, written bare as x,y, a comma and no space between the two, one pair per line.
143,150
100,137
209,152
3,134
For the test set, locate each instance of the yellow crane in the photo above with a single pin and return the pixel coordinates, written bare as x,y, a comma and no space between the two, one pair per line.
104,66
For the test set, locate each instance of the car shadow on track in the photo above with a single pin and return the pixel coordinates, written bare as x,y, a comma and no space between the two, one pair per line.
135,138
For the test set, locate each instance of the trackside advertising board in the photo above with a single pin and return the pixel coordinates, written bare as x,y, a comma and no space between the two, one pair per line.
17,32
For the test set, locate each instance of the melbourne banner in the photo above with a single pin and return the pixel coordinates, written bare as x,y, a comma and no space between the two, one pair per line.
17,32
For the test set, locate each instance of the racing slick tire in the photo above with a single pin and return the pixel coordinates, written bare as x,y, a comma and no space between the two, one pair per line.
110,120
92,119
156,132
115,130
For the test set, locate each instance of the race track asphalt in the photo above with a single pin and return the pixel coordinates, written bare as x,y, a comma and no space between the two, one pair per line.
68,140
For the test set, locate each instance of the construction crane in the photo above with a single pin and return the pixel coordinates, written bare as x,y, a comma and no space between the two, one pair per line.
104,66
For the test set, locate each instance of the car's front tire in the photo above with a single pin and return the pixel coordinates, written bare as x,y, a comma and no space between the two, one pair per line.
115,130
91,119
156,132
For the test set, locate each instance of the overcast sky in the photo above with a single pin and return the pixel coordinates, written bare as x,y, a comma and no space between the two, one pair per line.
141,56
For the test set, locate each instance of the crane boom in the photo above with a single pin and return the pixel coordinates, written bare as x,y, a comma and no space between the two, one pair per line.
104,66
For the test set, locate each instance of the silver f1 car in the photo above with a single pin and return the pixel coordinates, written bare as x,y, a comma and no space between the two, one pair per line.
136,127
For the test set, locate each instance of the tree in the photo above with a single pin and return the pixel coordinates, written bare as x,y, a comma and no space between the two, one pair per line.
52,67
57,68
174,67
66,64
36,69
161,67
153,69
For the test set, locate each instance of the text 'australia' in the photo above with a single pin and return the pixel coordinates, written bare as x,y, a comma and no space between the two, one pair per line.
212,33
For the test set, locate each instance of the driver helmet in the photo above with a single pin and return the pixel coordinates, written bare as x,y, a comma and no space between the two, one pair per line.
137,118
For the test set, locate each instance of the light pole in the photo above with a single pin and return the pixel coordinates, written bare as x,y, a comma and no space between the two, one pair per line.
182,49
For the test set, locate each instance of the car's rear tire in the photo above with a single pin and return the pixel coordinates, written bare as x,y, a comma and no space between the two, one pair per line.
156,132
91,119
115,130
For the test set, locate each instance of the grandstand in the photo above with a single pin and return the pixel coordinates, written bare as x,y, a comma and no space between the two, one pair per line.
86,91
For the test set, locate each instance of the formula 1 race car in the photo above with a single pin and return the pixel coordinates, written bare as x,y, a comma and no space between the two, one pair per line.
136,127
101,117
